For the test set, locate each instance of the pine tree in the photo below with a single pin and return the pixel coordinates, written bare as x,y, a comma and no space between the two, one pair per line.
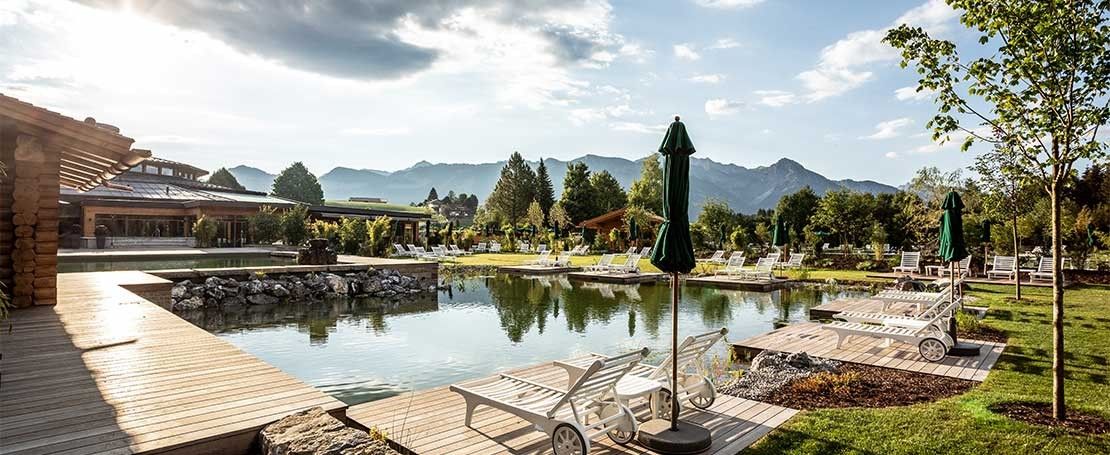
579,200
225,178
432,195
515,189
608,191
296,183
545,192
647,191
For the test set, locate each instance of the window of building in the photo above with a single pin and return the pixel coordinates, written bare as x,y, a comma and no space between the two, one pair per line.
167,171
146,226
151,169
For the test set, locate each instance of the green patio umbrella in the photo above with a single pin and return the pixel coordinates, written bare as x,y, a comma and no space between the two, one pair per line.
427,234
674,253
450,229
633,230
985,235
1090,237
781,235
952,248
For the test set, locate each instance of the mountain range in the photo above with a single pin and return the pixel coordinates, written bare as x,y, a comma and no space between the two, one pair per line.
745,189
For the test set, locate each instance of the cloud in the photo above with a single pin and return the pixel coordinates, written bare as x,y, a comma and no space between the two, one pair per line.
889,129
891,155
719,107
911,93
364,40
724,43
638,127
728,4
584,116
707,78
776,98
841,66
356,131
686,52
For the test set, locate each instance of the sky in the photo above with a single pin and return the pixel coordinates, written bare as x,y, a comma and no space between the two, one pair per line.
382,84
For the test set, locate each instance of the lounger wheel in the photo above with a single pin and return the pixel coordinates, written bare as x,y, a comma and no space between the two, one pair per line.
661,401
705,397
567,440
625,429
932,349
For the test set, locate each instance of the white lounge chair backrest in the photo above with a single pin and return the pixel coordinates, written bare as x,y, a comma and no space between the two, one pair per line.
563,259
400,249
765,265
717,255
495,247
644,251
631,250
606,260
910,260
689,351
544,256
541,247
735,262
1045,265
587,393
796,260
1003,264
773,257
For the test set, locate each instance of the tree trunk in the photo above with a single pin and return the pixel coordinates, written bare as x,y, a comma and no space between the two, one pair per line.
1017,252
1058,408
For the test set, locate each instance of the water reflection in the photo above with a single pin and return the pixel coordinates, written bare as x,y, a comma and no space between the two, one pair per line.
366,349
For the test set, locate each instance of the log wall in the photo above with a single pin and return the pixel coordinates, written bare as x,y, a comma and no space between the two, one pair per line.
7,234
29,220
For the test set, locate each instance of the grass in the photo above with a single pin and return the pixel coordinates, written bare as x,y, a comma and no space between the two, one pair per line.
964,423
509,259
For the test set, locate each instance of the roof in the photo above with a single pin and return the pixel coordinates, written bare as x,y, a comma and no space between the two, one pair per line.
153,188
90,153
179,165
618,214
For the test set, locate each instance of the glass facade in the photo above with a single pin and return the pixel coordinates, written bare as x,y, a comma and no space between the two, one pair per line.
147,226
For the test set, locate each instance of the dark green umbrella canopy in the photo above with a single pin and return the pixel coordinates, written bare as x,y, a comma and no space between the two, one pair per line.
674,251
952,246
556,228
633,229
985,236
781,235
1090,237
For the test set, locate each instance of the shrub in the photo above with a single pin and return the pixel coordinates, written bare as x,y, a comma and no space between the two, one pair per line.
826,383
265,226
294,230
353,233
379,234
321,229
968,323
204,230
868,266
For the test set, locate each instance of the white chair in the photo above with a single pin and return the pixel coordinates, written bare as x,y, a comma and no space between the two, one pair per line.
911,262
693,387
541,248
936,303
734,266
963,268
480,247
631,265
543,259
764,268
523,247
401,251
495,247
1005,266
929,336
564,415
562,260
1044,270
717,258
795,261
645,251
603,264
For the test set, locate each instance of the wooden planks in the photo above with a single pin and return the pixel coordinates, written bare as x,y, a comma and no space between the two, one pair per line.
726,282
431,422
810,338
105,371
618,278
865,305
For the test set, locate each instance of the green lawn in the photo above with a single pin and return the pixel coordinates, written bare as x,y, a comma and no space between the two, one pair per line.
507,259
964,424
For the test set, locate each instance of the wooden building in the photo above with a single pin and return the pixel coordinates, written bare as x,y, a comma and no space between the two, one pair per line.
41,152
602,224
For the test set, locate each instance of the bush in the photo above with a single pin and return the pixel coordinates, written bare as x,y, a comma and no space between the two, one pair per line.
826,383
265,226
321,229
294,230
204,230
353,233
379,234
869,266
968,323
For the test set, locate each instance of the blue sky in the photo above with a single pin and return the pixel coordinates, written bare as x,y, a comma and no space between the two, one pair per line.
385,83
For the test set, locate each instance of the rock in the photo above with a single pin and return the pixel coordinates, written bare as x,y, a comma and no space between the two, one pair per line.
314,432
279,291
262,299
336,283
179,292
771,370
254,287
190,303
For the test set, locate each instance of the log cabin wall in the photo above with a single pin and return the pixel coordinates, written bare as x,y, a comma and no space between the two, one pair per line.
30,219
7,230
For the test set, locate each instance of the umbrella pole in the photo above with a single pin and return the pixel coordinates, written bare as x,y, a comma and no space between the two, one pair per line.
674,350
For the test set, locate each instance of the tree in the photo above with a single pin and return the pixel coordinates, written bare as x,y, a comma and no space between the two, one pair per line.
204,230
265,226
647,191
608,192
1000,174
535,214
796,209
1039,88
432,195
353,233
578,197
225,178
718,221
558,217
515,190
294,231
545,192
378,235
846,213
296,183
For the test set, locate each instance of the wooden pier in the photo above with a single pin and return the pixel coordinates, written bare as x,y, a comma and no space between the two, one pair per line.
725,282
430,422
810,338
536,269
106,371
618,278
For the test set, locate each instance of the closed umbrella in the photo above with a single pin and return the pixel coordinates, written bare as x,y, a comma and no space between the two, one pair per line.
427,234
985,239
781,235
674,253
1090,237
633,230
952,248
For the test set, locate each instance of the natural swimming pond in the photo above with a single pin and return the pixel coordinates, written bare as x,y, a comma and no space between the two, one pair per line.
105,265
365,349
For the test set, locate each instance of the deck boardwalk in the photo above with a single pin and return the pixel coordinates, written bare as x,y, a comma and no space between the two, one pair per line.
618,278
726,282
105,371
808,337
430,422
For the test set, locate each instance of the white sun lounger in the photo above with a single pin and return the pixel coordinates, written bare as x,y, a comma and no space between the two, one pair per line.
455,250
929,336
631,265
735,266
718,257
602,264
572,417
764,269
543,259
495,247
911,262
794,262
401,251
939,302
562,260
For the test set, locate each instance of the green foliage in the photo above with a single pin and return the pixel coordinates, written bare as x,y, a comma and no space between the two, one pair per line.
296,183
265,226
869,265
644,223
535,216
615,239
608,193
379,236
739,238
204,230
323,229
647,191
294,230
432,195
847,213
353,234
578,199
796,209
717,220
545,191
878,240
559,217
225,178
515,190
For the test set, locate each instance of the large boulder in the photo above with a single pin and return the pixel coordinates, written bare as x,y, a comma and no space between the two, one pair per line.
262,299
314,432
190,303
336,283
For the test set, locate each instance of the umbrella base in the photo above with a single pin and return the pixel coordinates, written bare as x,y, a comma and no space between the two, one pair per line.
656,434
964,350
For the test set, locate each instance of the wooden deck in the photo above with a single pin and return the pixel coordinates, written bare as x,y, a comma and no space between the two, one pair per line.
106,371
808,337
431,422
618,278
536,269
725,282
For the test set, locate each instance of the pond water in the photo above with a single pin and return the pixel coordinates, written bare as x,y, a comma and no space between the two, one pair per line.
361,350
104,265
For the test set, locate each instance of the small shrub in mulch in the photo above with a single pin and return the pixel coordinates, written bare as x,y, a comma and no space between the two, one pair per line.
1041,414
855,385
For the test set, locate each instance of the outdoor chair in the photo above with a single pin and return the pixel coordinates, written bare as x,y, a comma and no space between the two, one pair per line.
734,266
603,263
930,336
911,262
717,258
571,418
1004,266
631,265
1044,270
